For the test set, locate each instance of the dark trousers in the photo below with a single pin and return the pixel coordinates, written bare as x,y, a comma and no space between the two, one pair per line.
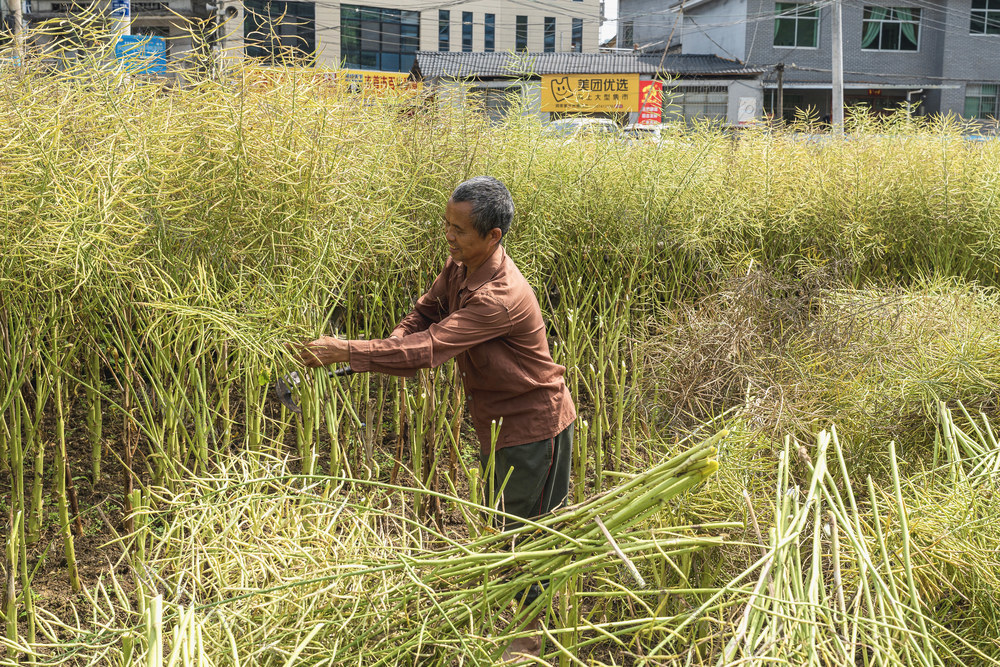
537,477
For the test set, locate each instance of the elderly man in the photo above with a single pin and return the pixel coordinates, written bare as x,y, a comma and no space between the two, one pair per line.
481,311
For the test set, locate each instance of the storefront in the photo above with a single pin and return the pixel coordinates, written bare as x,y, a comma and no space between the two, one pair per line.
628,88
815,100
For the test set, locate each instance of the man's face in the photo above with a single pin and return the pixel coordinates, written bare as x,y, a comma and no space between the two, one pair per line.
465,245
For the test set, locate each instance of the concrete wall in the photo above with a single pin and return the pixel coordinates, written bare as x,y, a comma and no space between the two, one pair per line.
716,27
652,23
745,91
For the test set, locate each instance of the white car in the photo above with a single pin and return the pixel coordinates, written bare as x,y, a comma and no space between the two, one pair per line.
636,133
574,128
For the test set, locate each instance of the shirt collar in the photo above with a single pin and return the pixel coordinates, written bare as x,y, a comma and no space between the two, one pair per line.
486,272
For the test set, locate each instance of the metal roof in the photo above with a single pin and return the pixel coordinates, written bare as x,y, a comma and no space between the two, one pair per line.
459,65
860,85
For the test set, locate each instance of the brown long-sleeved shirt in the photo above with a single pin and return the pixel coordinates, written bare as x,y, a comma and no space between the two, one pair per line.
491,322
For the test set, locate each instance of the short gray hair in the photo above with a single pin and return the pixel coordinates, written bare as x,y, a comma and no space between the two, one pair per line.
492,205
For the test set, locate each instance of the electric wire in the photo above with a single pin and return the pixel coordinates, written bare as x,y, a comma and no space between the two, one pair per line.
954,27
951,25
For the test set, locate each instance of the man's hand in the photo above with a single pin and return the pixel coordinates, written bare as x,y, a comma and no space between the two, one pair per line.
323,352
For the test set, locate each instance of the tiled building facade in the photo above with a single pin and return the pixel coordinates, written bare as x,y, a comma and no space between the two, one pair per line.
943,55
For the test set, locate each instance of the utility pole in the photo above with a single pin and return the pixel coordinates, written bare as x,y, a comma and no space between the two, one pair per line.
838,67
670,38
16,11
781,93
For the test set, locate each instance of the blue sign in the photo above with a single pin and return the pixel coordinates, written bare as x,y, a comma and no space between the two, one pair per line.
142,54
10,58
121,9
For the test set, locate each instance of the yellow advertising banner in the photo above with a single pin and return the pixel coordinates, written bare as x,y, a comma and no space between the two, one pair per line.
368,79
590,92
357,81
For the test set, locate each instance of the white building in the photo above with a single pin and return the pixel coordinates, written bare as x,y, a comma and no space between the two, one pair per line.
386,34
379,35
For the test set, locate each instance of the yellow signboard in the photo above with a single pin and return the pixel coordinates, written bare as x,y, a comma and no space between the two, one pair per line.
368,79
590,92
358,81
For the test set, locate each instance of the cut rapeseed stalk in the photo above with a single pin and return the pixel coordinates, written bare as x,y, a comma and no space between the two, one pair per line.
430,598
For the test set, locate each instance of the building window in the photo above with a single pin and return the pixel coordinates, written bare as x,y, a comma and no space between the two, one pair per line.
444,30
981,100
489,32
891,29
577,35
796,25
496,103
280,32
985,17
550,34
378,39
467,31
628,35
521,33
699,103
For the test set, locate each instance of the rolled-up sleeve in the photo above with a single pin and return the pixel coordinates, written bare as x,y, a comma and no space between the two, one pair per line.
481,319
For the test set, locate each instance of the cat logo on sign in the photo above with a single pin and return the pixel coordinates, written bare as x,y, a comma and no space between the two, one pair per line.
590,92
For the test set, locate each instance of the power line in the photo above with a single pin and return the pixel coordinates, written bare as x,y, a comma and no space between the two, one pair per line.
739,18
953,24
560,13
455,3
743,18
945,26
926,22
757,19
948,26
709,38
538,22
588,19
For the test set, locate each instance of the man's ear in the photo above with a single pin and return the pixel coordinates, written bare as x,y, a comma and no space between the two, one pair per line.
494,235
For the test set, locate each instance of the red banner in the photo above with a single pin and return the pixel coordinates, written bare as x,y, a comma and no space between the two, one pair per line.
650,102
